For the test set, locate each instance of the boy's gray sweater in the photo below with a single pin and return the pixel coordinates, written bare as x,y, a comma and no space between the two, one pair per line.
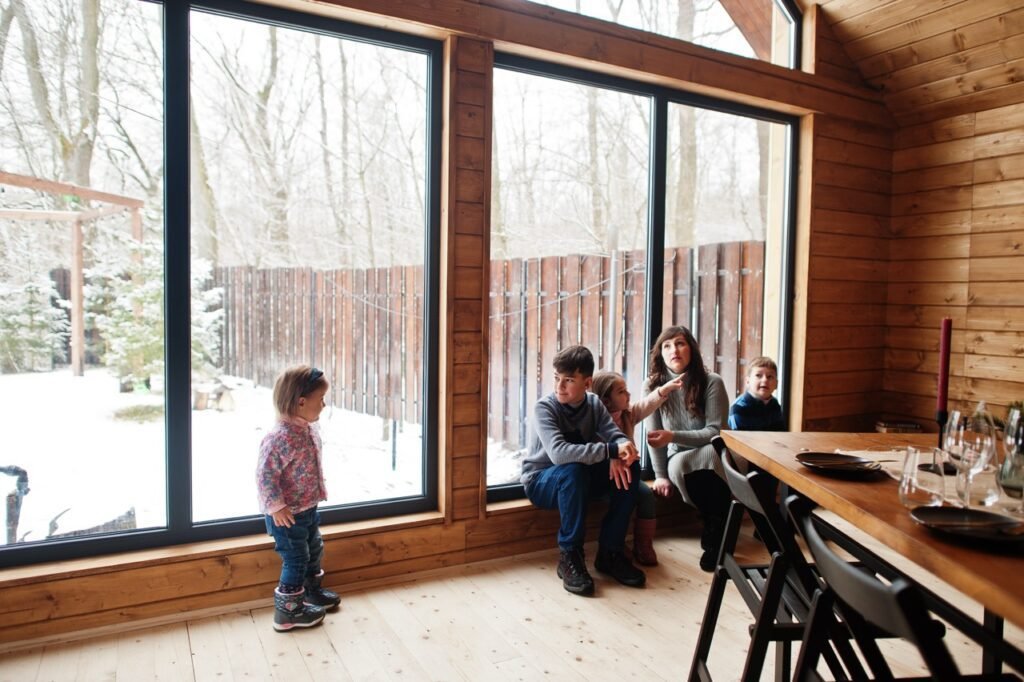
562,434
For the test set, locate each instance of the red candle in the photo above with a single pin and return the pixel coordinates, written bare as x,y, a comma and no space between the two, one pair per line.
943,393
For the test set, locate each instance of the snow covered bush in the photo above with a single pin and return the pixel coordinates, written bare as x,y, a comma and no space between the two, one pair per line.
125,303
33,330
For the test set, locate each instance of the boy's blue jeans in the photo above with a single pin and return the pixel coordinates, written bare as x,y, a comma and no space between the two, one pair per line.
301,547
569,488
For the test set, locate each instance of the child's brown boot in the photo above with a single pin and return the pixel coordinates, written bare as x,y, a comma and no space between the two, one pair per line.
643,541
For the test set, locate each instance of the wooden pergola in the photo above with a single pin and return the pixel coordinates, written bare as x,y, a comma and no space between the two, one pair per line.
118,203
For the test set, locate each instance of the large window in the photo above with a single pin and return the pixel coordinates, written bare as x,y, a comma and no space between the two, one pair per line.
569,217
81,272
725,210
194,199
631,208
308,224
768,30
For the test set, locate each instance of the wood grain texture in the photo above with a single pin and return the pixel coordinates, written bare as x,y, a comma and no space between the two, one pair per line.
468,67
934,59
499,619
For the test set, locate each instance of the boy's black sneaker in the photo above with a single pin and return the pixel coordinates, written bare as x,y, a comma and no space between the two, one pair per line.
615,564
709,560
572,569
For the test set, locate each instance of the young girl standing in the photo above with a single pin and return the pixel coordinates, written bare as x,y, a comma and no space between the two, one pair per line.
610,387
290,481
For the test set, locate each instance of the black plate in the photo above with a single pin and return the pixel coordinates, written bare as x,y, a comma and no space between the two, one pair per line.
974,525
843,466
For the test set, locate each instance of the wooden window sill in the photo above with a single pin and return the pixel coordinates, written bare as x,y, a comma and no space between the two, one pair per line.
73,568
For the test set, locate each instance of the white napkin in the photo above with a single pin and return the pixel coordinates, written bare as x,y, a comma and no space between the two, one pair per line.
893,468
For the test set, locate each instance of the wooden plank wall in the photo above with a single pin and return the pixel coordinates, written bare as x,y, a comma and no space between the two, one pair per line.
840,335
824,54
846,275
949,78
949,73
470,72
934,60
957,251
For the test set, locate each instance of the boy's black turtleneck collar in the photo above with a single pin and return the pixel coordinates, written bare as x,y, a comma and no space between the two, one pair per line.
571,409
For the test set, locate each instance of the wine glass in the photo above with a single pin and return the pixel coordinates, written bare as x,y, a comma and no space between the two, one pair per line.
971,443
1010,475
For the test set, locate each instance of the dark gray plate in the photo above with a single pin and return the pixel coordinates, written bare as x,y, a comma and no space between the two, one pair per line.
975,525
843,466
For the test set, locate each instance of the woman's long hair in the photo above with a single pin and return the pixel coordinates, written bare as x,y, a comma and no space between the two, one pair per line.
695,383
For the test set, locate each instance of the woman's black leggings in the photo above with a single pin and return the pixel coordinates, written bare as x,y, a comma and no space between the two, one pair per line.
712,497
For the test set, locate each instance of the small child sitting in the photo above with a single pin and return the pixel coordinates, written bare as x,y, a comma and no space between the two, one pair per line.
757,409
610,387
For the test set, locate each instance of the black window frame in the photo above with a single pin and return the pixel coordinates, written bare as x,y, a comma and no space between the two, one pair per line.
180,528
660,98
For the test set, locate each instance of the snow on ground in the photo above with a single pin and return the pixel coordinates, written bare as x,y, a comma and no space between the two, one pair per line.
503,465
61,429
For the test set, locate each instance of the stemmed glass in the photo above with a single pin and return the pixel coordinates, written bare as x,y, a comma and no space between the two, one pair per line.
1010,475
971,443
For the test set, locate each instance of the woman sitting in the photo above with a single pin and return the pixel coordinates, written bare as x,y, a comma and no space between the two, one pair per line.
680,432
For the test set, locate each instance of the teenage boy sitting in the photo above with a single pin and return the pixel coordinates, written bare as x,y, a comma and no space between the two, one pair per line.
757,409
576,454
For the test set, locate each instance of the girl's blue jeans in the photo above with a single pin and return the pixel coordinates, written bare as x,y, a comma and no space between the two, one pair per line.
569,488
301,547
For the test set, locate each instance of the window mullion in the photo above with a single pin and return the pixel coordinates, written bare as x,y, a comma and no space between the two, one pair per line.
176,253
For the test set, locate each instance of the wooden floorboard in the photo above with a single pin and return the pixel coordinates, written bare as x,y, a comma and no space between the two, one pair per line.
506,619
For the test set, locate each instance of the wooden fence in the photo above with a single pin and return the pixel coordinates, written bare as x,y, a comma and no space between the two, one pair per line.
364,327
540,305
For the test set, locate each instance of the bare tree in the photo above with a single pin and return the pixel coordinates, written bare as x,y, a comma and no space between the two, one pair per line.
73,138
679,232
333,202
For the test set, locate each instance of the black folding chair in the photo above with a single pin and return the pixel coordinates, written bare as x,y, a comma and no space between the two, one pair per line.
778,594
866,606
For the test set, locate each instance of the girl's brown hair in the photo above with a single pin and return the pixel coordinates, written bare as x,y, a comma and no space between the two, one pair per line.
294,383
695,383
604,381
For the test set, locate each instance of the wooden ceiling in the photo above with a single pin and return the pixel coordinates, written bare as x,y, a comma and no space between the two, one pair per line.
934,58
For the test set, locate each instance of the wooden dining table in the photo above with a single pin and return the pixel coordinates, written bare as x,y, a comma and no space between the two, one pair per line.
995,579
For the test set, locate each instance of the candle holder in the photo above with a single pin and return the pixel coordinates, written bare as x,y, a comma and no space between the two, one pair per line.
941,417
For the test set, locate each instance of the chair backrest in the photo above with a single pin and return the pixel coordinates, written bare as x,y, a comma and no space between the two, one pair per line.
755,494
896,607
756,491
738,484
